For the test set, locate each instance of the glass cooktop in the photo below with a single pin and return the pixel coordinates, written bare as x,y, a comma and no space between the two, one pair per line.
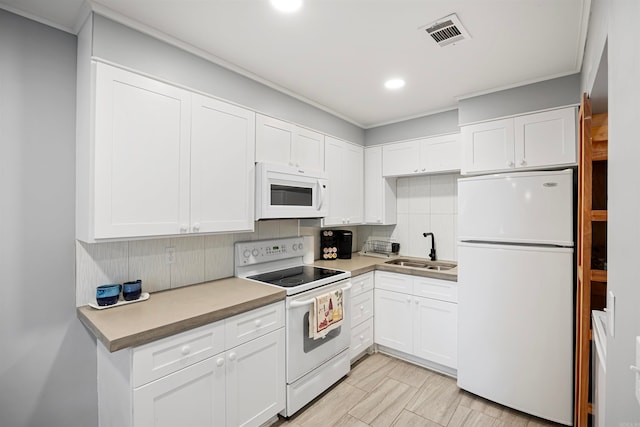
295,276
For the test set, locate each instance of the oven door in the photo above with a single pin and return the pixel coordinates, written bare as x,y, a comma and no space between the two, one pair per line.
303,353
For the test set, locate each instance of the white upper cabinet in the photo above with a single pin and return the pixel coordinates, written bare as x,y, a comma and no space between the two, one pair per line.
141,155
441,154
422,156
345,163
547,138
278,141
308,149
401,158
525,142
157,158
222,166
379,192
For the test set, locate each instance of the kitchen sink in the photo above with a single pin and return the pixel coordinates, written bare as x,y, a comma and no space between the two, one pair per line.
427,265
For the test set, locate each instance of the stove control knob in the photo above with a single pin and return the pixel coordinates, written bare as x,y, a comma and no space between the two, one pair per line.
246,253
254,252
300,246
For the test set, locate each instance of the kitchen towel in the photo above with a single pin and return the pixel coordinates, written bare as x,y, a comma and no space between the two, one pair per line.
327,314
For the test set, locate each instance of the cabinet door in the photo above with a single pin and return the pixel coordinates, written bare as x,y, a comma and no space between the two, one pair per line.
546,139
307,150
401,159
222,166
488,146
392,320
440,154
379,192
274,139
435,326
256,380
194,396
337,192
344,168
142,144
353,182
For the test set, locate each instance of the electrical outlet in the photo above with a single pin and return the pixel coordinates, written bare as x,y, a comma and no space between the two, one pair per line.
170,255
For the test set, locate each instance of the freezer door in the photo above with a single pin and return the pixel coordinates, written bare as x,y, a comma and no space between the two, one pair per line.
524,207
515,327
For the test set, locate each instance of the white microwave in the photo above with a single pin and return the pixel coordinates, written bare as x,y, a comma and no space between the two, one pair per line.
284,191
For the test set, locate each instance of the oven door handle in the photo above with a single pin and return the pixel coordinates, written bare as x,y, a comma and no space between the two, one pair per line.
296,304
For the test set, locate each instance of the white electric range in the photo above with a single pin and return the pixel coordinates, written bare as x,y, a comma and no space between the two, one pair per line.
312,366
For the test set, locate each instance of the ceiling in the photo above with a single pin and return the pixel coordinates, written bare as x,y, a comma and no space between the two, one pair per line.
336,54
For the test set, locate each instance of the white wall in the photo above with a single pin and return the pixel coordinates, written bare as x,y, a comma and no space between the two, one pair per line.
48,359
624,209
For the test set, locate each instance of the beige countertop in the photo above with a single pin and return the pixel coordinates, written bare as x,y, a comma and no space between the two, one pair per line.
360,264
174,311
170,312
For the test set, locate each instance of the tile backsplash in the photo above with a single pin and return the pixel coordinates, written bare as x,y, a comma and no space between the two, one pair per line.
424,203
196,259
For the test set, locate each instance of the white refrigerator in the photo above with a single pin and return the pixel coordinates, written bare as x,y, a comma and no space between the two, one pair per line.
516,281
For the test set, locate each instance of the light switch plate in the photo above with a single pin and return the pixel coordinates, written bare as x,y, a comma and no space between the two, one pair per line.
635,371
611,313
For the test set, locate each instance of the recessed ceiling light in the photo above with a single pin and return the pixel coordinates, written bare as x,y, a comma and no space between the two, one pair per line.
394,83
287,6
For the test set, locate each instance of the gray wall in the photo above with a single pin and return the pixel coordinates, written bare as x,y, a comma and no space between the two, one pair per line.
434,124
48,359
552,93
129,47
595,45
624,207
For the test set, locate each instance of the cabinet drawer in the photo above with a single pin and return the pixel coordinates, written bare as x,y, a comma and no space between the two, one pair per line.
361,284
361,338
159,358
393,282
442,290
361,307
253,324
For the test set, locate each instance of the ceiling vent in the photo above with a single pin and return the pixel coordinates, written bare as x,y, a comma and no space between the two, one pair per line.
446,31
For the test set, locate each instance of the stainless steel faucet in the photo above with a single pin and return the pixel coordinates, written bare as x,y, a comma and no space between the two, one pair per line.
432,253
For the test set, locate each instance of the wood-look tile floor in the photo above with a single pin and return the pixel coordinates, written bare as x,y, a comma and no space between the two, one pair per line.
383,391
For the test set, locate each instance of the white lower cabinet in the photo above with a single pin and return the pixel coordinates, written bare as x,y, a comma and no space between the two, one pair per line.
361,315
194,396
435,335
417,316
195,379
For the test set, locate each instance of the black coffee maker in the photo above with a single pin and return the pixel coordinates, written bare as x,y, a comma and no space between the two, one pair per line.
344,241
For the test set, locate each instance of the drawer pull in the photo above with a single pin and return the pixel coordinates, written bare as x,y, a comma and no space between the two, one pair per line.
361,337
362,308
257,322
185,350
232,356
220,361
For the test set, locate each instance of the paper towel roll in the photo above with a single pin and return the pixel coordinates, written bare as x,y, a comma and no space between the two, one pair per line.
309,249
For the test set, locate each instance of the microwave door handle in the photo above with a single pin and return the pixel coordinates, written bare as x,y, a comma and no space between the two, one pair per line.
321,195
